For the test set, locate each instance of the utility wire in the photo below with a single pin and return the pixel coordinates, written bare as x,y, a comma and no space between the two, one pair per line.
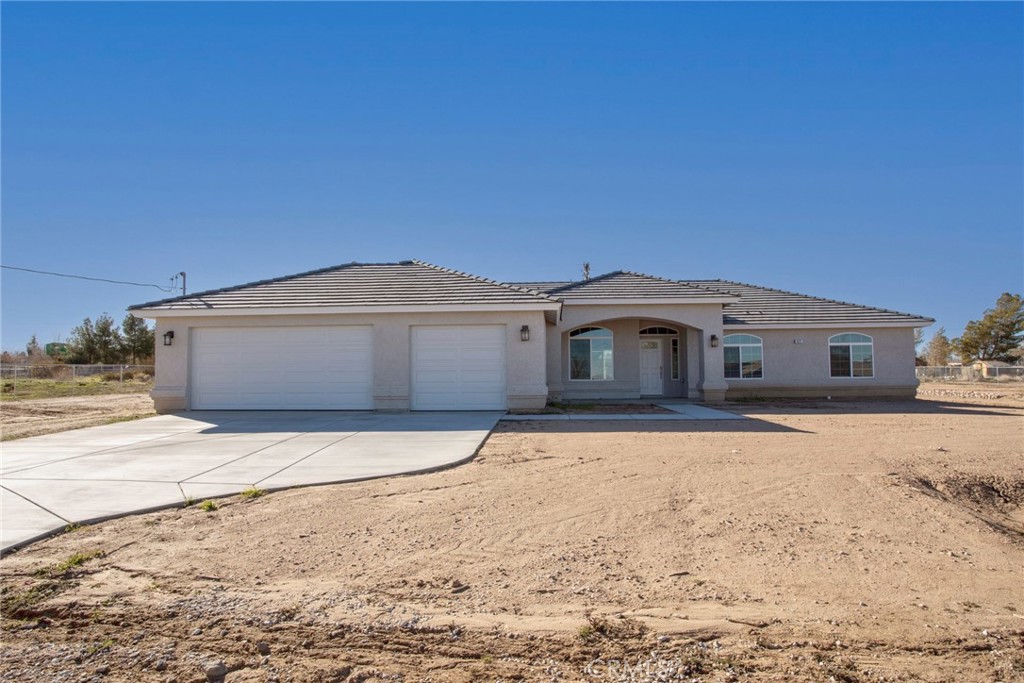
83,277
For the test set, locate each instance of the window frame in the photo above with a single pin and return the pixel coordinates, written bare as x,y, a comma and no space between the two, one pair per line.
574,335
674,359
870,343
741,345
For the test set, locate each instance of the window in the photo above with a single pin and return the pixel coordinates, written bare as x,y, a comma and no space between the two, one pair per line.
851,355
590,353
675,358
658,330
744,356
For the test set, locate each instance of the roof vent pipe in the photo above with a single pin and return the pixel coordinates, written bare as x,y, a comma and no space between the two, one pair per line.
586,270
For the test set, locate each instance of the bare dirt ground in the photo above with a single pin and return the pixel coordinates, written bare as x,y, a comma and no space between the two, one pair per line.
34,417
818,541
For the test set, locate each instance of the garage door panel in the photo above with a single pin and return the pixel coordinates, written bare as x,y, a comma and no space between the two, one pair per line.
458,367
272,368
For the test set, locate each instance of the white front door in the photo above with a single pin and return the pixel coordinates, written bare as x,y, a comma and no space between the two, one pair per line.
651,373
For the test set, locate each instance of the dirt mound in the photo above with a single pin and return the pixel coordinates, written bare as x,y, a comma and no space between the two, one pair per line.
998,500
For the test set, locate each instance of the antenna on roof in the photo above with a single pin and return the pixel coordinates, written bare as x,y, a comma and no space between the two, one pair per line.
174,282
586,270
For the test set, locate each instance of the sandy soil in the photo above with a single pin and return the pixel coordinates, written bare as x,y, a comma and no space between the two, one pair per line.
818,541
33,417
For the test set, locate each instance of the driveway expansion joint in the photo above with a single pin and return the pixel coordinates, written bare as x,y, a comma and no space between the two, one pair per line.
158,461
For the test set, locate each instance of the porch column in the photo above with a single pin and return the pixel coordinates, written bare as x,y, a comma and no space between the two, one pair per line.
712,384
553,342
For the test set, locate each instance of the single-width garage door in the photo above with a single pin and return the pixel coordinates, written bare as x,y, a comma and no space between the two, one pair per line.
458,367
282,368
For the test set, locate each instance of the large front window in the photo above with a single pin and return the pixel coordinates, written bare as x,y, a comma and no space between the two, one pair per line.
744,356
851,355
590,353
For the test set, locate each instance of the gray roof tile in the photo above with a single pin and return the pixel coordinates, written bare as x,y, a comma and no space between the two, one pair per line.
761,306
622,284
358,284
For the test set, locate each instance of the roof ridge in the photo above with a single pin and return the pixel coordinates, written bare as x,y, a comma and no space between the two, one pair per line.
576,283
255,283
676,281
479,278
653,277
818,298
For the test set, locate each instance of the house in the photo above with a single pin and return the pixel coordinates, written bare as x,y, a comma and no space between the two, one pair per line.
997,368
415,336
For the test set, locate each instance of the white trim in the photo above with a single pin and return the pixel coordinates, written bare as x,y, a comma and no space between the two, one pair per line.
740,346
335,310
611,336
661,359
828,357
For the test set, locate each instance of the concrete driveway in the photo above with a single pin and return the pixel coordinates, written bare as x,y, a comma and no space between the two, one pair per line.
91,474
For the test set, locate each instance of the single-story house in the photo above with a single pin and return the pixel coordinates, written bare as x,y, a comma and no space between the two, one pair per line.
415,336
997,368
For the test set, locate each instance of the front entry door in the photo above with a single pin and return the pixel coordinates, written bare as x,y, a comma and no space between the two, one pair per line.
652,381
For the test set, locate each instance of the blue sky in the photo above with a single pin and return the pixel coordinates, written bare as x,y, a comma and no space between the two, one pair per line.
870,153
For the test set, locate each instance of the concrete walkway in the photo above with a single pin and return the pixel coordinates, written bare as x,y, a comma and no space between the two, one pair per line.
680,411
90,474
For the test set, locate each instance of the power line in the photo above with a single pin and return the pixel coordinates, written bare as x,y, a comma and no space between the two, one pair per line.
83,277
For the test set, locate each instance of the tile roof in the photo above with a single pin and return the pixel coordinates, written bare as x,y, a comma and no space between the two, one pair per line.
358,284
622,284
761,306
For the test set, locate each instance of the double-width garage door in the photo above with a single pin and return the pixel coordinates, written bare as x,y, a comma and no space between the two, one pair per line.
282,368
458,367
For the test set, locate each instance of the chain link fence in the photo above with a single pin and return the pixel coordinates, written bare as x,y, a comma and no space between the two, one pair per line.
969,373
48,380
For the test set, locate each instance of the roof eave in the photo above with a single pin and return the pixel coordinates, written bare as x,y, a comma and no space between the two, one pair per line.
825,325
214,311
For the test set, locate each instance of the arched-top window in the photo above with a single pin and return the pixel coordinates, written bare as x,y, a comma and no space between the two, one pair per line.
590,354
744,356
851,354
658,330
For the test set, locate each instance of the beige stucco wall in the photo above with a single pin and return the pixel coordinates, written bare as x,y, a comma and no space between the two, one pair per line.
702,367
796,363
525,361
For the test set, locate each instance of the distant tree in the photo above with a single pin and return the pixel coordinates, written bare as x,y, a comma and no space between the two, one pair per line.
137,339
33,348
918,336
109,343
82,343
938,350
999,331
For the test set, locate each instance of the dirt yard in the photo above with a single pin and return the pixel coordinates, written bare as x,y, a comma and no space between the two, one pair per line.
818,541
33,417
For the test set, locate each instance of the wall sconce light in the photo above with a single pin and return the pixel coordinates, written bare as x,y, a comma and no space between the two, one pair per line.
714,341
524,333
168,337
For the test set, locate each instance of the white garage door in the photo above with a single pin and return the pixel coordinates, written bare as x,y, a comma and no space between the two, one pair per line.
458,367
282,368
